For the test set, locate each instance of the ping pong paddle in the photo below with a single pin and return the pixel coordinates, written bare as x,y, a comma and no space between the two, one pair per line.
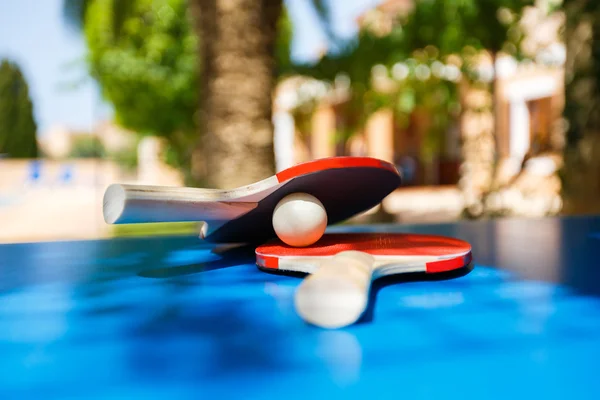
343,265
346,186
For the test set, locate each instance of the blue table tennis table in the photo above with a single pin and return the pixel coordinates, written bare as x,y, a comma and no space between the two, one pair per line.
173,318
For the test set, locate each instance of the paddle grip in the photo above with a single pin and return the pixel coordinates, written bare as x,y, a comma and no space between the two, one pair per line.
134,204
336,295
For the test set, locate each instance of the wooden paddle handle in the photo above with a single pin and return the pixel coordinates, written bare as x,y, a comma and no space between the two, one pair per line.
337,294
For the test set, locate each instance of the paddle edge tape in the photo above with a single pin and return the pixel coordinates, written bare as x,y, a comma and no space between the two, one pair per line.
332,163
431,267
435,267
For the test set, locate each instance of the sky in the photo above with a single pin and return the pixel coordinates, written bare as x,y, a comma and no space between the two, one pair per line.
34,34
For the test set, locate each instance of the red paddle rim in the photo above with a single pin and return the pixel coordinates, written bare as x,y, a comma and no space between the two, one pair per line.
454,253
322,164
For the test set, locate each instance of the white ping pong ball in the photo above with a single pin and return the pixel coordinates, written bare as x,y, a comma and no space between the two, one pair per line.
299,219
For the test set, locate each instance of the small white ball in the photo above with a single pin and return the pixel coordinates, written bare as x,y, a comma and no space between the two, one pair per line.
299,219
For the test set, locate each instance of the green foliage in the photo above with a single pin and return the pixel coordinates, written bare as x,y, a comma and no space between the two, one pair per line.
144,55
145,58
453,26
17,123
88,146
433,34
355,59
91,146
125,158
283,42
444,27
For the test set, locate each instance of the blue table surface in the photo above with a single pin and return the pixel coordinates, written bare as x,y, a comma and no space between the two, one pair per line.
175,318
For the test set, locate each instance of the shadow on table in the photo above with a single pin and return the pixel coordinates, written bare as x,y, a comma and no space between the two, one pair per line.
233,255
406,278
381,283
230,256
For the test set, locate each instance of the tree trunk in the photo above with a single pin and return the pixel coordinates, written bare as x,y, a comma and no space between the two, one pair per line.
237,80
581,171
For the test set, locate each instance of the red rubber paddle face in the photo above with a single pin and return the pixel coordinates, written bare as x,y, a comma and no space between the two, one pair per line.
438,253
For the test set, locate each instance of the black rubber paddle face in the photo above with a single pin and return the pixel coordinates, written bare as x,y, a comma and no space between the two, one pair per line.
344,192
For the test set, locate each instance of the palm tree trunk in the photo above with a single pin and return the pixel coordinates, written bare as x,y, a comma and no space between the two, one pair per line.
238,75
581,171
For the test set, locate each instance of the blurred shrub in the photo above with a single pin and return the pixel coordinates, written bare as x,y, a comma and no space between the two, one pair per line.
125,158
91,146
143,53
459,27
17,124
87,146
285,31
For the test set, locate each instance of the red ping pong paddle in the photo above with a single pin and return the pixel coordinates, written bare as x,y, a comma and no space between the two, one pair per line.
346,186
342,267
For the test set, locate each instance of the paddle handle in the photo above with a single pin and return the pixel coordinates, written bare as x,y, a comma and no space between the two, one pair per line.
128,204
337,294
